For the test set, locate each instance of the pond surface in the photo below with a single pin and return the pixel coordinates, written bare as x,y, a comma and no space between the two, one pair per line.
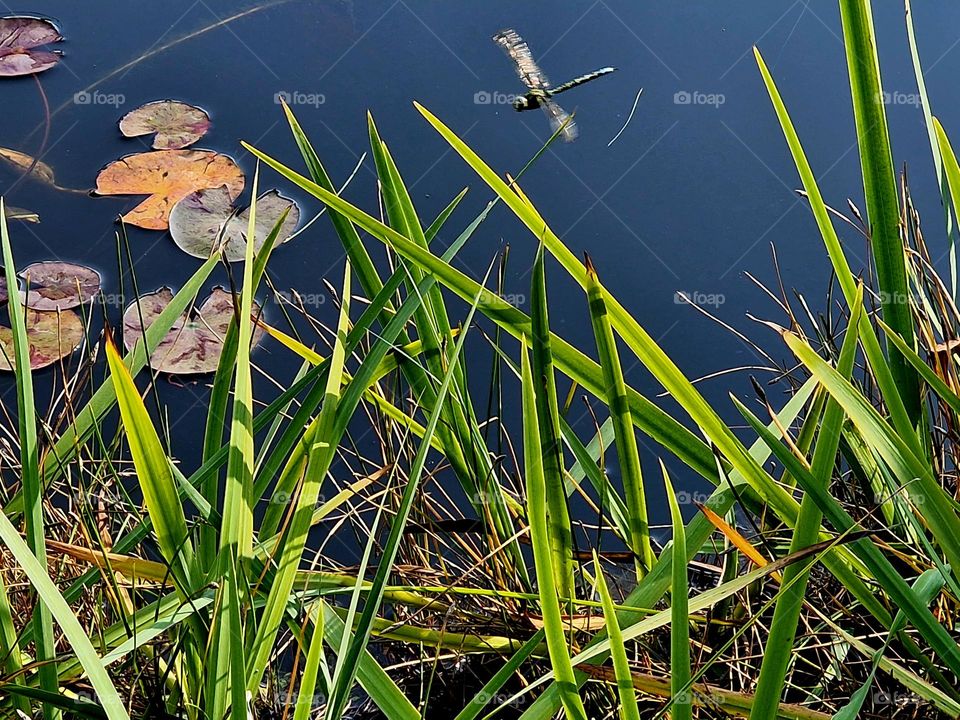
691,195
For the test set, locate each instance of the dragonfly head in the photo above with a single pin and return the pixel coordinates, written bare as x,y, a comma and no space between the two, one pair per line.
521,103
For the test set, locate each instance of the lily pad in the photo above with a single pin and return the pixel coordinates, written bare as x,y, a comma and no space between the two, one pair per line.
52,335
205,222
23,162
194,343
20,40
175,123
58,285
167,176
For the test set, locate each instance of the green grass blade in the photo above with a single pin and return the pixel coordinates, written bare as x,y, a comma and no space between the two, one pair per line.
621,665
628,454
783,627
29,467
321,454
902,419
880,187
237,528
543,560
680,673
886,575
548,417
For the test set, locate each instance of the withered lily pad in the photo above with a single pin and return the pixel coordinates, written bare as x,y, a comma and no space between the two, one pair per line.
175,123
194,344
58,285
23,162
52,336
205,222
167,176
20,41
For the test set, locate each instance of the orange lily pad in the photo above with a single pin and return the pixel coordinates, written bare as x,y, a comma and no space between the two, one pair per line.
167,176
52,335
175,123
195,342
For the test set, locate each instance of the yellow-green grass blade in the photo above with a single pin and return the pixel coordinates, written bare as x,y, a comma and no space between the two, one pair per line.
621,665
220,398
943,152
783,627
29,466
647,416
628,455
74,632
928,497
542,555
680,706
927,373
9,647
155,479
846,279
237,527
320,455
886,575
880,188
548,419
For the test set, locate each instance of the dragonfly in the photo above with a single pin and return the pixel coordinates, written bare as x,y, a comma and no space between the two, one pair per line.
540,94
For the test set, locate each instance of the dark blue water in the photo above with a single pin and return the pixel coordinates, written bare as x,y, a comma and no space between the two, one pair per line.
691,195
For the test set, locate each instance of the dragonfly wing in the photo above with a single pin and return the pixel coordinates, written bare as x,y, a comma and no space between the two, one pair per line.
516,48
560,118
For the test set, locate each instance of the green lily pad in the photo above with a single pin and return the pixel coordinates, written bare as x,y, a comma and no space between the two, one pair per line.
195,342
175,123
205,222
58,285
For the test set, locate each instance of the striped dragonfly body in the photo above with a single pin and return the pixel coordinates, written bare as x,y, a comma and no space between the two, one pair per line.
539,91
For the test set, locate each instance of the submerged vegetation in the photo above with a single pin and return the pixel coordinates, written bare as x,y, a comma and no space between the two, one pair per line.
818,579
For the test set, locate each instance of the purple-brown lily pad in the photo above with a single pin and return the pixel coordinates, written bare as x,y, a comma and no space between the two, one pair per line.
195,342
205,222
20,41
51,335
175,123
58,285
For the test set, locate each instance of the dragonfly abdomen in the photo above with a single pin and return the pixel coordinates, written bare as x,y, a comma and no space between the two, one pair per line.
580,80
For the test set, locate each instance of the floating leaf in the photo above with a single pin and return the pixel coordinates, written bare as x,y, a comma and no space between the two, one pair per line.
175,123
20,38
167,176
15,213
21,161
58,285
194,344
205,222
52,335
